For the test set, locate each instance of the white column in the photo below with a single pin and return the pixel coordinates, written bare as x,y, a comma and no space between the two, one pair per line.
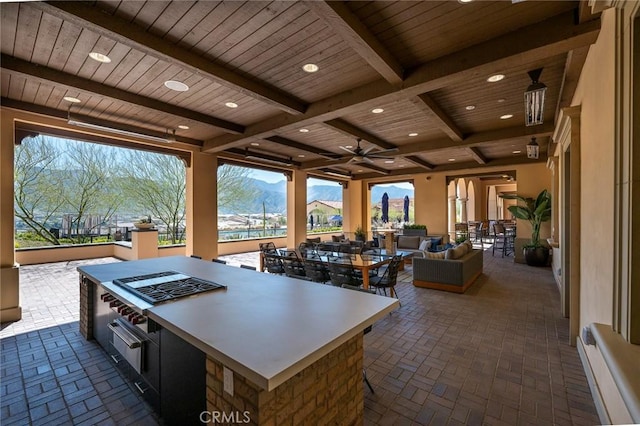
452,217
463,210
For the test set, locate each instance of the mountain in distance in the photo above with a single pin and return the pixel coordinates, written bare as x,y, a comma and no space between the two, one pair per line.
274,195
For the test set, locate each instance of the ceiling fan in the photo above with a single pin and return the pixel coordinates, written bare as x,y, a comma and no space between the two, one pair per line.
365,155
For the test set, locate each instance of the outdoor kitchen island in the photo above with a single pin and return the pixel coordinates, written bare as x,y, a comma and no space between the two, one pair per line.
272,349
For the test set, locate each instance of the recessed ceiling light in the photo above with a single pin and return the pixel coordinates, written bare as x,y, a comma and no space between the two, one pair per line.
389,161
360,170
348,146
183,127
304,130
413,134
452,159
310,67
178,86
72,99
495,77
506,116
516,152
501,100
231,104
301,155
377,110
401,165
255,144
470,107
505,176
100,57
464,1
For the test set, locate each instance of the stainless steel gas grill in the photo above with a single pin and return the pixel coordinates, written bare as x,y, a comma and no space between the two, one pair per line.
164,286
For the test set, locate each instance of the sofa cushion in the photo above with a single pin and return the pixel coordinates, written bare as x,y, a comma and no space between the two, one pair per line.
456,252
424,245
409,242
435,255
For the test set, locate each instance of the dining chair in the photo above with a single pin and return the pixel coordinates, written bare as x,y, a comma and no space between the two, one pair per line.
315,269
341,271
389,278
293,265
253,268
499,239
273,263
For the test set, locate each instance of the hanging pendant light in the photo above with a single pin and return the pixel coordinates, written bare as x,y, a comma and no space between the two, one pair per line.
533,149
534,99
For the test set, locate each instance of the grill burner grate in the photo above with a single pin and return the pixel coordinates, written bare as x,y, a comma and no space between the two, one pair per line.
164,286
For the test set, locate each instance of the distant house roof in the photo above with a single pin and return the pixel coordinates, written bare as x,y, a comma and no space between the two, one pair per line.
332,204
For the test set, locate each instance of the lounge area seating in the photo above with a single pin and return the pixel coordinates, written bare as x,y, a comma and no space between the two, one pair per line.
456,273
417,244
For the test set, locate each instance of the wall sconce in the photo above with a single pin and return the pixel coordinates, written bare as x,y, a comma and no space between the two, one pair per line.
533,149
534,100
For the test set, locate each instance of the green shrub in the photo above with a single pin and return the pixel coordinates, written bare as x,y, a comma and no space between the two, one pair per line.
414,226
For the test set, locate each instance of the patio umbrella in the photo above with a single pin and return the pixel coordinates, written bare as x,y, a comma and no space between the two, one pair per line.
385,208
406,208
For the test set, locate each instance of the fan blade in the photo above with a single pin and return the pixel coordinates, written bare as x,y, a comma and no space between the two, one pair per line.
368,150
385,151
383,157
367,160
348,150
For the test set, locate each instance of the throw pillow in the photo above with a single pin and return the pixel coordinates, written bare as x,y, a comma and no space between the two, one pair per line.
424,245
436,255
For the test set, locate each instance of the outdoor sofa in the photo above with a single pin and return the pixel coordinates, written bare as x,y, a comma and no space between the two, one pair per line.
455,274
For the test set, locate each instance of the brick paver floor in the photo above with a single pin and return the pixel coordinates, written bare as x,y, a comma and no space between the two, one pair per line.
496,355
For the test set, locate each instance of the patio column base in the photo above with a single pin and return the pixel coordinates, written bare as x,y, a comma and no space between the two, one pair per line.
10,294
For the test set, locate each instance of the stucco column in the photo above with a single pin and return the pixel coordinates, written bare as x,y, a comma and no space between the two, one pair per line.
10,309
296,208
352,206
452,217
463,210
202,206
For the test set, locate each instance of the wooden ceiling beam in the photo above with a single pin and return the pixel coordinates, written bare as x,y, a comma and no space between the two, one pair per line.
297,145
523,46
139,39
419,161
477,155
337,15
502,162
473,140
52,76
350,130
438,116
373,167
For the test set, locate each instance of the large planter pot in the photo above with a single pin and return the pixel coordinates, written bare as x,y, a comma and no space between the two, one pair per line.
536,256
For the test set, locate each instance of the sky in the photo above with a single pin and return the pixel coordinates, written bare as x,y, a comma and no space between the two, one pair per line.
272,177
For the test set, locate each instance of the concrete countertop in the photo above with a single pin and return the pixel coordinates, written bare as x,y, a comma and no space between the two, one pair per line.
264,327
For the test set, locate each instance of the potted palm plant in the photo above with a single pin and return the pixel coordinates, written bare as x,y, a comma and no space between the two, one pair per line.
360,234
536,212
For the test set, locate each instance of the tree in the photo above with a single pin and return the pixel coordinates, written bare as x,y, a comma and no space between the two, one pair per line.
90,188
233,190
37,186
157,185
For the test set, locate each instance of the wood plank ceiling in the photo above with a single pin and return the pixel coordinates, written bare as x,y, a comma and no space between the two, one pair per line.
424,63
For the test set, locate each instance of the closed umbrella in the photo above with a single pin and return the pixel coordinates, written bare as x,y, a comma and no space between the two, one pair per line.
406,208
385,208
311,220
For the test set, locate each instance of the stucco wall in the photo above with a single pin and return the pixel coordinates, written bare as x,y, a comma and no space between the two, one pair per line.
595,94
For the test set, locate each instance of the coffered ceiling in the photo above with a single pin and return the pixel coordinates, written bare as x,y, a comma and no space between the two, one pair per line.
424,63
